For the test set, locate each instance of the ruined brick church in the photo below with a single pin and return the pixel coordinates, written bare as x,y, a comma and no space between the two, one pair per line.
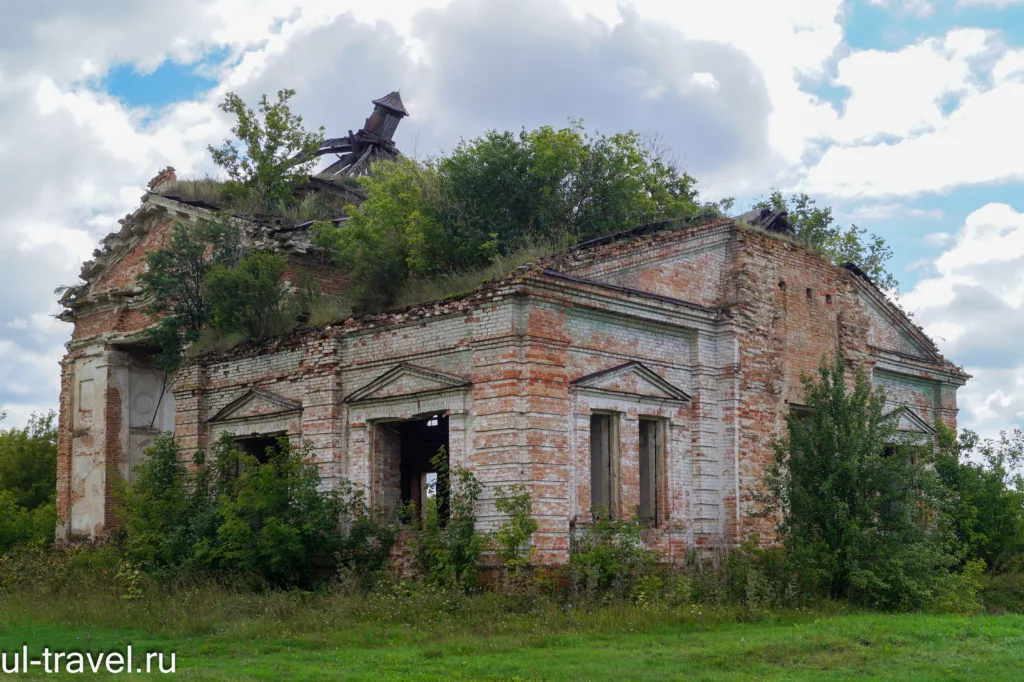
645,372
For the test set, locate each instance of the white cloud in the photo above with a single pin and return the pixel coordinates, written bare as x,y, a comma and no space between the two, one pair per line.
973,306
919,8
969,147
897,93
938,238
887,211
898,137
1009,67
989,3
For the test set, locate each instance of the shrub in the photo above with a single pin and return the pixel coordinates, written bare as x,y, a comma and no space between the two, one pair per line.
239,516
19,525
367,538
1002,593
959,592
59,569
247,299
514,535
492,197
609,557
447,549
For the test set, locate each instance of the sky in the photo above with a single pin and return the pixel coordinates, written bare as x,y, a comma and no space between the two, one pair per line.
902,115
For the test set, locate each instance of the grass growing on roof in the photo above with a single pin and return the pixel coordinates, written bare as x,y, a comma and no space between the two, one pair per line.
437,288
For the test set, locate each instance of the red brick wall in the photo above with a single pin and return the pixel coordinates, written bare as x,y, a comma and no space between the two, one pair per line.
124,273
521,346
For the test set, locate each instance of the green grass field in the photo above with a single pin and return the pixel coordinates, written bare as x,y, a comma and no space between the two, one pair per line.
223,636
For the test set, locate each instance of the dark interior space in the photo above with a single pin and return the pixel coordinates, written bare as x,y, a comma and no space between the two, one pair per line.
421,439
257,446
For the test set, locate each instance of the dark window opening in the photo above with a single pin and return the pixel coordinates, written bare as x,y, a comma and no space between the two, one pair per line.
782,285
913,452
650,469
603,446
828,298
261,447
405,454
810,293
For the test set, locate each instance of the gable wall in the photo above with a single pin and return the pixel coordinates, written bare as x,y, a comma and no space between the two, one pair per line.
784,331
883,333
124,272
692,269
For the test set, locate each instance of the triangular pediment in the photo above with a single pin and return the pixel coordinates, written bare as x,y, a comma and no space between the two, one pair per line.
909,422
631,378
404,380
256,403
889,327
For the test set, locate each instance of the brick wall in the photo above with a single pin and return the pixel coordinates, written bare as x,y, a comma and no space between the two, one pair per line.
729,317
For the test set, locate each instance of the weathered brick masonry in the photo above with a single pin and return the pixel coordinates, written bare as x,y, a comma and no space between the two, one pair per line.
676,350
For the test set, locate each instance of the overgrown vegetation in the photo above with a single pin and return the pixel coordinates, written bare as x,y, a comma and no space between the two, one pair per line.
426,230
987,510
271,154
494,196
208,292
860,518
236,515
28,482
513,537
447,546
175,284
815,228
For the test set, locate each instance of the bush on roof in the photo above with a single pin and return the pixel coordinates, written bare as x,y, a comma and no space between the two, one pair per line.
496,195
271,155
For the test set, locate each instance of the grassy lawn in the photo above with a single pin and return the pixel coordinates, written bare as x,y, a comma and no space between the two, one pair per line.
224,636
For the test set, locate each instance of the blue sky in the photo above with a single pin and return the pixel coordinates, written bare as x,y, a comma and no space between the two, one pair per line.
900,114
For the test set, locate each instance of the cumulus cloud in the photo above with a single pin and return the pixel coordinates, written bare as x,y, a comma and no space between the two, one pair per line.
919,8
974,306
492,65
989,3
927,118
887,211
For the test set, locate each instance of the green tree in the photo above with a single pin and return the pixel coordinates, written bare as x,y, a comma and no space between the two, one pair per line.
815,228
28,482
175,280
495,195
247,298
20,526
28,461
988,511
861,517
271,153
